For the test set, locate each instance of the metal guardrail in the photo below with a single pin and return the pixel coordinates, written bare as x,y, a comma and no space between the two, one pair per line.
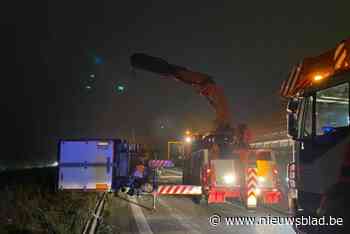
92,224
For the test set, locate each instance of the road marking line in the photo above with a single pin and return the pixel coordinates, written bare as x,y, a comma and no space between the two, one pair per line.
170,176
236,205
181,218
140,218
173,171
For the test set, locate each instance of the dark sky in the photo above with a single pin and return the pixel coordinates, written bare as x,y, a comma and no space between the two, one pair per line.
247,46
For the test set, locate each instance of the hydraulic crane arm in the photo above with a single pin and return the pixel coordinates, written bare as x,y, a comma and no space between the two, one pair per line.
203,84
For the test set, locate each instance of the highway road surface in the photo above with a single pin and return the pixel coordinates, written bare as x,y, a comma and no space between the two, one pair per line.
179,214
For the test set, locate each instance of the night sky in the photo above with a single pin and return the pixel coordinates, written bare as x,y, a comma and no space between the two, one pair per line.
246,46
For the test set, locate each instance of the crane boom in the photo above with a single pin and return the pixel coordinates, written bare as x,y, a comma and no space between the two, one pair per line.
202,83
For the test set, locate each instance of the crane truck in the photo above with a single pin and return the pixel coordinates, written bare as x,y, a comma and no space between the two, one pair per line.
318,120
221,161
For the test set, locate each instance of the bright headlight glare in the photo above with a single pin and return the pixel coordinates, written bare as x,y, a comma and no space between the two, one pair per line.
229,179
261,179
251,201
258,191
188,139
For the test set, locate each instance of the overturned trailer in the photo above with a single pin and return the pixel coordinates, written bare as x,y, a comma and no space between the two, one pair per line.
94,164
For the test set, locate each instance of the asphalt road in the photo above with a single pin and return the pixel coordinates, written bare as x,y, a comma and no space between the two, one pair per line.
179,214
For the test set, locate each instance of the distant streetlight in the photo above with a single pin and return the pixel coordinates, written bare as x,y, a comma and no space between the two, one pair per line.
88,88
188,139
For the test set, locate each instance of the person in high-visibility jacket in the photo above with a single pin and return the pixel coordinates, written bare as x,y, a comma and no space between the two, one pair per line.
138,178
139,171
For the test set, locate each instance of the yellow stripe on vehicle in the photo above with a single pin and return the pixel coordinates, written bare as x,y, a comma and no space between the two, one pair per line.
263,167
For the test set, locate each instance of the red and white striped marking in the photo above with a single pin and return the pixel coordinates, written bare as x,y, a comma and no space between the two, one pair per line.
251,184
160,163
179,190
341,56
289,85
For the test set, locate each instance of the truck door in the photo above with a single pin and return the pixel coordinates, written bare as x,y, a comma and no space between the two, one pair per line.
323,130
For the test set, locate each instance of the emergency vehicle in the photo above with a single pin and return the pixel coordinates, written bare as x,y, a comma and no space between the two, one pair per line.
216,160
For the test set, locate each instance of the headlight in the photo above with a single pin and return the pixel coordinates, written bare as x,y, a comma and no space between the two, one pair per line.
229,179
261,179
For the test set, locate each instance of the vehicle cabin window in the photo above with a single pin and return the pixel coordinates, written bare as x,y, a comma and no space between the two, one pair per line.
252,157
306,125
266,156
299,117
332,109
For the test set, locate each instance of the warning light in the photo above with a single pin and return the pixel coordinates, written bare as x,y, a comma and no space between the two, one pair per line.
188,132
318,77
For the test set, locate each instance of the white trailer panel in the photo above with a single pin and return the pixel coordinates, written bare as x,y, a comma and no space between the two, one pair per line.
86,165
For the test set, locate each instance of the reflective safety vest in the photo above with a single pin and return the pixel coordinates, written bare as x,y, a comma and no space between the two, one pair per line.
140,169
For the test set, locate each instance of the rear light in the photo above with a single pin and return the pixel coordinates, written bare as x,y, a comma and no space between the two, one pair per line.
208,171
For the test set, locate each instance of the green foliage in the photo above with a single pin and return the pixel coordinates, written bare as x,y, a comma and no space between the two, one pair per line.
31,209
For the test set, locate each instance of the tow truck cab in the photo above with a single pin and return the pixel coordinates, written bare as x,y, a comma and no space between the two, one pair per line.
319,176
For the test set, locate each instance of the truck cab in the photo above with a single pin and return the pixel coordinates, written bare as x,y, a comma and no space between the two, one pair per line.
319,176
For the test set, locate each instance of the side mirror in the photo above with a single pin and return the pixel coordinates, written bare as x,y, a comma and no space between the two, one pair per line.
292,129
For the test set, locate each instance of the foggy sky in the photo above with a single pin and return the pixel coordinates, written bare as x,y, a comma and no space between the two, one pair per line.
247,47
